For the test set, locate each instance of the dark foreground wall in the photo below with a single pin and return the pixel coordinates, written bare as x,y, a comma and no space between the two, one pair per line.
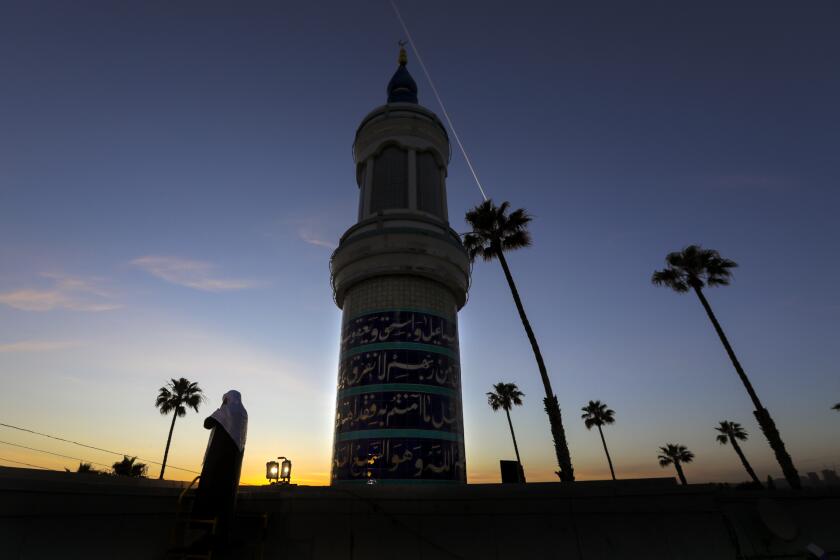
64,515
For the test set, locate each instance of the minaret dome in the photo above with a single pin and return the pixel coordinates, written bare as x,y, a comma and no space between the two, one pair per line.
402,88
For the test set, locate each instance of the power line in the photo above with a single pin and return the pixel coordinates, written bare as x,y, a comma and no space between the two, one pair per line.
439,100
56,454
93,447
27,464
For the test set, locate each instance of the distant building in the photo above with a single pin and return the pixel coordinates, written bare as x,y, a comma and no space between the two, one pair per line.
400,276
812,479
830,477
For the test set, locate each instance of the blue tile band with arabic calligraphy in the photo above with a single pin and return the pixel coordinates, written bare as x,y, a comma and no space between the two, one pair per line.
399,365
406,459
391,410
398,410
397,326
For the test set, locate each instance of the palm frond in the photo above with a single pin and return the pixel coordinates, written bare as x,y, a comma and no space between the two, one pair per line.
518,219
493,229
473,243
596,413
670,278
684,455
694,267
128,467
673,452
516,240
505,396
664,458
177,395
679,259
733,430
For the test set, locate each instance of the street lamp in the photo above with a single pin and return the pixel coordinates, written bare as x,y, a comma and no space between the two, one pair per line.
272,471
279,471
285,470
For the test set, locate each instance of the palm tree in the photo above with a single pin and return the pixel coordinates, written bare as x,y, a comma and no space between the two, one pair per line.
505,396
597,414
494,231
692,269
675,454
128,467
176,396
85,468
731,432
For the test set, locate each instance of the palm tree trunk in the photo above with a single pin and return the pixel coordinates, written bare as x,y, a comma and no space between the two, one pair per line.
168,441
762,415
744,461
552,407
612,472
515,447
680,473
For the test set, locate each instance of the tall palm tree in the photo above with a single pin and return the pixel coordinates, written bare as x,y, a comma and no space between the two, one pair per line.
731,432
505,396
495,231
597,414
692,269
174,397
673,453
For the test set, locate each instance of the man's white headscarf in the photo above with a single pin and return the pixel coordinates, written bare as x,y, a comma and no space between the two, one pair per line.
233,417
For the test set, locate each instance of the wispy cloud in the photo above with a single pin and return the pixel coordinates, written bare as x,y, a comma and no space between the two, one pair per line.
197,275
306,235
67,292
318,229
37,346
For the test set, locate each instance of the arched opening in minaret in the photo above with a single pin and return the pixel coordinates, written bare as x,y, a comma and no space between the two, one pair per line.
390,180
429,185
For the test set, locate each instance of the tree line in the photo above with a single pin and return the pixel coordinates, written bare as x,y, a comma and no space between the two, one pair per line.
497,230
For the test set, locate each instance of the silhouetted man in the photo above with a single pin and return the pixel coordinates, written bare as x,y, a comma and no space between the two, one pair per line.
216,494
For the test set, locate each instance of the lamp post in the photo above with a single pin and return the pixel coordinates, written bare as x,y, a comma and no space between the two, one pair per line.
279,471
285,470
272,471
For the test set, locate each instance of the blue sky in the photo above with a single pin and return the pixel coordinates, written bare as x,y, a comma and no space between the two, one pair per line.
173,178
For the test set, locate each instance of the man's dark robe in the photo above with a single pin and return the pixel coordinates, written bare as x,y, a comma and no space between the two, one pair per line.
216,494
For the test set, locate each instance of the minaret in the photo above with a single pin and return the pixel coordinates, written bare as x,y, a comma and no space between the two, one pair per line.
400,275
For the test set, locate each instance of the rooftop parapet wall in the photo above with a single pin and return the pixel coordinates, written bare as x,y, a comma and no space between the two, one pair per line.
66,515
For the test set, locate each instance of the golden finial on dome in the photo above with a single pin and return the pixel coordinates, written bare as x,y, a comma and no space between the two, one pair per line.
403,56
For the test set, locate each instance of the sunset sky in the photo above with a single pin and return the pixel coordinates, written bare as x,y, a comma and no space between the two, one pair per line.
175,175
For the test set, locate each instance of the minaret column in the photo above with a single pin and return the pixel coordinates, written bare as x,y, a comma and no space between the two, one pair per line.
400,276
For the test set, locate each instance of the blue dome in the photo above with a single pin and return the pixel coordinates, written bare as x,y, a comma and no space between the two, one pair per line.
402,88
